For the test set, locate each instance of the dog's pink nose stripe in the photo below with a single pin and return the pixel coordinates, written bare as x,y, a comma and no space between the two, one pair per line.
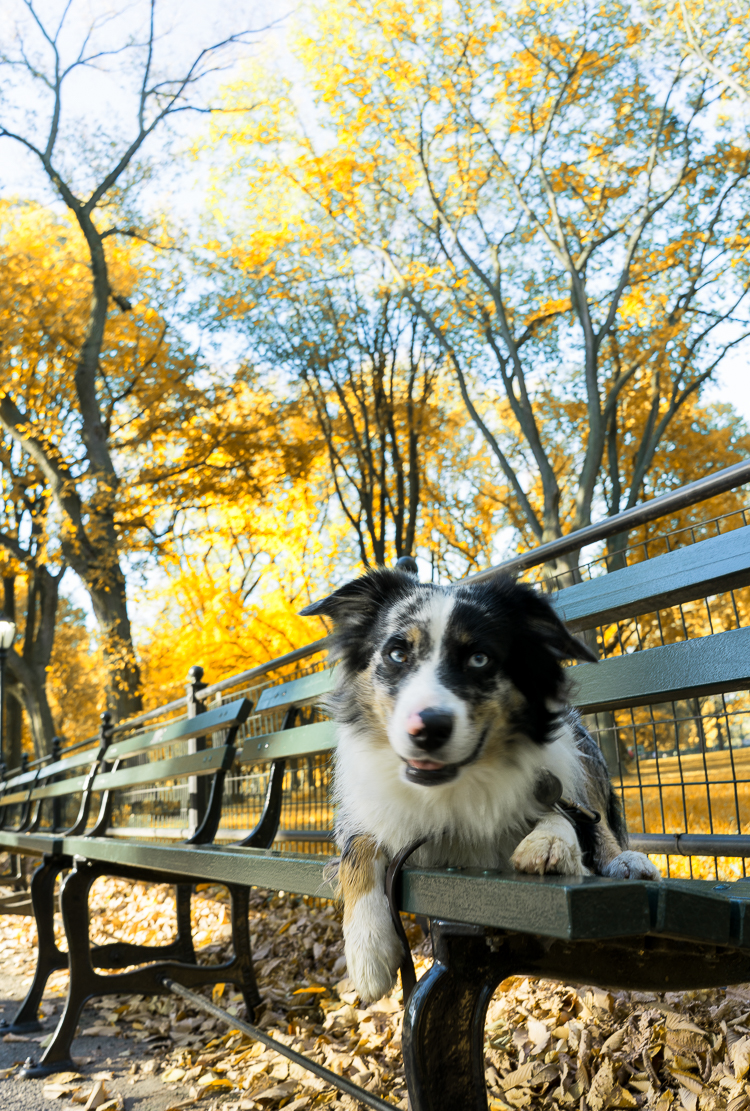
414,724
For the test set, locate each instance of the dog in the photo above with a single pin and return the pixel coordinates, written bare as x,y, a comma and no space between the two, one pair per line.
450,710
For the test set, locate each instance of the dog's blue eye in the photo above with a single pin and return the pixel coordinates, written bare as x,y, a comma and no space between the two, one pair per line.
398,655
478,660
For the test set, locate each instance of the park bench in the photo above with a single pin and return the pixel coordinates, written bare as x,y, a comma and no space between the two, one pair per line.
677,934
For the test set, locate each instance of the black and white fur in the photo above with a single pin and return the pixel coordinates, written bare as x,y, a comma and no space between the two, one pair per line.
450,704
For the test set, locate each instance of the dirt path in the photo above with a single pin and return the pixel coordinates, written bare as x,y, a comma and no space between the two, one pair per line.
125,1066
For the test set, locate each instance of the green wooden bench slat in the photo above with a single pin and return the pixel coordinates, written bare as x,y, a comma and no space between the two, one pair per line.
35,844
13,799
298,692
18,781
682,909
555,906
77,760
72,786
12,793
221,717
696,571
226,833
302,741
708,665
196,763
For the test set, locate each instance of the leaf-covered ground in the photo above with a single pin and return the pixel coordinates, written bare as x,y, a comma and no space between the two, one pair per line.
548,1045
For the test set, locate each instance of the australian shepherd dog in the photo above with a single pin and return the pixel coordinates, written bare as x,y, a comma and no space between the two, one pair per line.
450,707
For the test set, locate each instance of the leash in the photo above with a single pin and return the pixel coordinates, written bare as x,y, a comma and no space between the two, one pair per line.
547,791
392,876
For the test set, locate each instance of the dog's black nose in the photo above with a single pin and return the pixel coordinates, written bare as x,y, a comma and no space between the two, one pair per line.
435,729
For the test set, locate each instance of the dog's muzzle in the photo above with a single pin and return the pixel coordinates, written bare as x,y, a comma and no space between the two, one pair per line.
434,777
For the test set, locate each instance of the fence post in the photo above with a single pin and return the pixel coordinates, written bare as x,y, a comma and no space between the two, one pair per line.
196,784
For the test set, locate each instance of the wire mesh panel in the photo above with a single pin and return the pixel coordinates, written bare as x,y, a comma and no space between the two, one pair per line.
684,766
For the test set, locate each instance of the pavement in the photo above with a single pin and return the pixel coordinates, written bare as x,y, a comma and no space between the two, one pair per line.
125,1066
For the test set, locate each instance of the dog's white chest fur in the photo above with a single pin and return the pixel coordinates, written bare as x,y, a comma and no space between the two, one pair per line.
476,821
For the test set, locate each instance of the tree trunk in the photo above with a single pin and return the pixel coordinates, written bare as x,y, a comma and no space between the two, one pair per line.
123,674
29,688
13,729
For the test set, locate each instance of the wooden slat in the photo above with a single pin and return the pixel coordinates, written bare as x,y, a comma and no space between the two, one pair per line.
708,665
555,906
176,833
196,763
69,763
221,717
696,571
298,692
302,741
72,786
33,844
20,781
13,798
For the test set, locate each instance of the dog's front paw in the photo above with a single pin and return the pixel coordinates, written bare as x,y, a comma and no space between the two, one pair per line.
552,846
632,866
372,946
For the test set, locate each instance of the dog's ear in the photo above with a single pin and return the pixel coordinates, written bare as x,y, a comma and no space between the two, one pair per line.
545,623
360,599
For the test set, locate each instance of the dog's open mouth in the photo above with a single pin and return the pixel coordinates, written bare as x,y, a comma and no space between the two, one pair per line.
431,772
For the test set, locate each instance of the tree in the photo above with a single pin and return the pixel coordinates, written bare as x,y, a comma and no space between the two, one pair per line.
707,37
369,376
97,188
25,561
562,217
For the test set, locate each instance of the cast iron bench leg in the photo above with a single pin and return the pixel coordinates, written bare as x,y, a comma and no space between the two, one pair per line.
75,912
86,983
243,953
443,1038
49,958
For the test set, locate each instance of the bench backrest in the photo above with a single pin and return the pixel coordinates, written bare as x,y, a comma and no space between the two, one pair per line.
669,673
135,762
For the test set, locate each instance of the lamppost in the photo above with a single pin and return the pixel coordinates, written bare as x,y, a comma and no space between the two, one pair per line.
7,632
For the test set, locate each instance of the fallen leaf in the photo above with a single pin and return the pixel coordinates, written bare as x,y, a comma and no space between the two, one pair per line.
539,1035
686,1040
97,1096
268,1095
602,1086
621,1098
57,1090
615,1041
517,1097
117,1103
739,1055
689,1100
518,1077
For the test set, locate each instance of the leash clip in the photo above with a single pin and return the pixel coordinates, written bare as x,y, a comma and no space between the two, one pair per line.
548,792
